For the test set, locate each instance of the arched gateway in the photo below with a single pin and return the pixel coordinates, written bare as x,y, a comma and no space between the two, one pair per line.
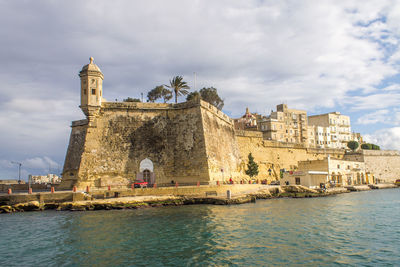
146,171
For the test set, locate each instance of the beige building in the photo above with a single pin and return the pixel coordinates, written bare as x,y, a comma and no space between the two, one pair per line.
331,130
285,125
339,171
312,179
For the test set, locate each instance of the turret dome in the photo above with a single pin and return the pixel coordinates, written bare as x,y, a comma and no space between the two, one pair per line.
91,66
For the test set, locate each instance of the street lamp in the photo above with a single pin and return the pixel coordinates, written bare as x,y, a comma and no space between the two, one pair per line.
19,170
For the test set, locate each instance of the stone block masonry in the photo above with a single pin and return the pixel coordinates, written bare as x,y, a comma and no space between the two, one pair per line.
186,143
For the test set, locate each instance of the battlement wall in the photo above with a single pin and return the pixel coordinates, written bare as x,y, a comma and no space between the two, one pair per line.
383,164
109,151
277,155
222,151
148,105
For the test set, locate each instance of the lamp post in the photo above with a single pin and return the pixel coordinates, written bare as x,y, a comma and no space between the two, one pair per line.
19,170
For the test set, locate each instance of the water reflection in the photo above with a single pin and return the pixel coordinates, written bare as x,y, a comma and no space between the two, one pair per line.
351,229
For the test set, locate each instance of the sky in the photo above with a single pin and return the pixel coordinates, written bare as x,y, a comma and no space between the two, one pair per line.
317,55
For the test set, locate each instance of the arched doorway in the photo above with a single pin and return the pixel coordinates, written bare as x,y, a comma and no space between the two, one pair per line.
339,178
146,171
333,177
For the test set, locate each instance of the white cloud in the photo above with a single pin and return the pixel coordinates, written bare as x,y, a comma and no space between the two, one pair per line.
44,163
309,54
388,138
374,101
374,117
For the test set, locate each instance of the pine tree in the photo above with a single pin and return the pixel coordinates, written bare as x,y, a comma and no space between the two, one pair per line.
252,167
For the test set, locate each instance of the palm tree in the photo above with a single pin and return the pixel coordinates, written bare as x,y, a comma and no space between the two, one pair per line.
179,86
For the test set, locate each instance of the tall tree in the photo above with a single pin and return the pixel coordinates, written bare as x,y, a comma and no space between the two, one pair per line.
179,87
210,95
252,167
159,92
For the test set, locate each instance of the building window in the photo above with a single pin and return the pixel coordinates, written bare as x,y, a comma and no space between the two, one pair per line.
84,91
297,180
93,91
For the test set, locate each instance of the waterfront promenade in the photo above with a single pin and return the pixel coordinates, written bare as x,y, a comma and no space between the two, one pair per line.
163,196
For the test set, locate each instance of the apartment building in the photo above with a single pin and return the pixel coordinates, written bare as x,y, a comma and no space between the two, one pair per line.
331,130
285,125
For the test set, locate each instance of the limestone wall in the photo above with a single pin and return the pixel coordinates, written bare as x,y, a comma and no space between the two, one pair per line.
221,146
383,164
74,154
124,134
276,155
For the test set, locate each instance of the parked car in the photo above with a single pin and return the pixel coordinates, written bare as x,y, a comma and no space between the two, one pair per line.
397,182
140,184
275,183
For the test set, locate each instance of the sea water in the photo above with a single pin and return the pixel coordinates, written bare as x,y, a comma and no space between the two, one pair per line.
355,229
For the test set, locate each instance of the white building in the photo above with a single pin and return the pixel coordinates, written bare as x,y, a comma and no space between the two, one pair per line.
331,130
45,179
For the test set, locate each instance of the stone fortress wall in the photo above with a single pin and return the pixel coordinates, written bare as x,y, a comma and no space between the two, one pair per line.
384,164
188,142
276,155
183,141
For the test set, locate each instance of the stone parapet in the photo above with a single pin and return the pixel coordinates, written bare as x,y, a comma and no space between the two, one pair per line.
245,133
380,152
148,105
79,123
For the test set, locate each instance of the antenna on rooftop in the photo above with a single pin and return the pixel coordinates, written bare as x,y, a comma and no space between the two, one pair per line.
194,80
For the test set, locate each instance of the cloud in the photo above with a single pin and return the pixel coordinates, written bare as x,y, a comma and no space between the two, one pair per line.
40,163
309,54
374,117
388,138
34,165
374,101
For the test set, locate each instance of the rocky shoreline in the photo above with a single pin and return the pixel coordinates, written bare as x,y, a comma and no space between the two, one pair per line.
136,202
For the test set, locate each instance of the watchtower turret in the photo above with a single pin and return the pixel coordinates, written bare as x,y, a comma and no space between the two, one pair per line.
91,89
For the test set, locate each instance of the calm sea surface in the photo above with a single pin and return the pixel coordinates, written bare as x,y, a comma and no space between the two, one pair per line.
356,229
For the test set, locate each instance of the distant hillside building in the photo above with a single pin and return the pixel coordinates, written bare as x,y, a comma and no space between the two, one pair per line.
247,122
285,125
45,179
11,181
331,130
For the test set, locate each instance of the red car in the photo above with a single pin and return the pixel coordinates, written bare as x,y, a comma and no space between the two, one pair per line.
140,184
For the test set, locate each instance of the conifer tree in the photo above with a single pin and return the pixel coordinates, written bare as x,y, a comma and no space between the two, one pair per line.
252,167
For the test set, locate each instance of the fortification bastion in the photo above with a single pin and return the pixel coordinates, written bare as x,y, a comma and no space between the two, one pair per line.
190,142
